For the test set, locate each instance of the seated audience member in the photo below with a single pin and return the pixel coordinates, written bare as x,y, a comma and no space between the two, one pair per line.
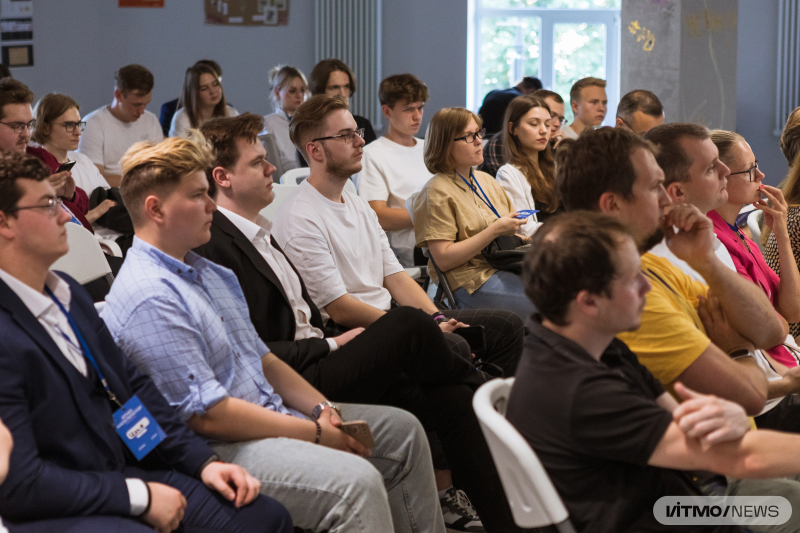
184,321
612,441
64,385
695,175
639,111
111,130
460,212
203,99
529,176
6,445
493,153
494,105
288,90
614,171
168,109
334,77
790,186
589,104
401,359
394,165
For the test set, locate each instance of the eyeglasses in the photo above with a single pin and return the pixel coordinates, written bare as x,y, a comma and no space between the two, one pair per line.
51,207
469,138
555,118
752,171
19,126
347,137
70,126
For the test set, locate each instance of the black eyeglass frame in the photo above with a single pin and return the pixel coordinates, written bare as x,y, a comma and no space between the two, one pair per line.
752,171
70,126
351,134
19,126
480,134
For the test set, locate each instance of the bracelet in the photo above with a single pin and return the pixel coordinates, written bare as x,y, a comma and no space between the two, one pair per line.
739,353
439,317
149,499
319,432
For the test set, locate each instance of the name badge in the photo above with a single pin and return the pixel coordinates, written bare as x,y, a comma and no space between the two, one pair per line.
138,429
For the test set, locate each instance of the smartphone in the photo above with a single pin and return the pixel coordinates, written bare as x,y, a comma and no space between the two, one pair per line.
475,337
359,430
525,213
66,166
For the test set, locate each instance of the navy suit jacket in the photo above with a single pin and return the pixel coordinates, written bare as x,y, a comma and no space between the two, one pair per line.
68,460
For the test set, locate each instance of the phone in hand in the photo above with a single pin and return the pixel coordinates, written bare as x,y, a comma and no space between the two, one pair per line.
475,337
63,167
359,430
525,213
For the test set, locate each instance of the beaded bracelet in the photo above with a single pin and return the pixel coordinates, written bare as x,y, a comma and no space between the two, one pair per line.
319,432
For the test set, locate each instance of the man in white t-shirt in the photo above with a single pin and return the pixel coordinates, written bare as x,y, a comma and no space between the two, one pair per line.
335,242
394,165
589,103
112,129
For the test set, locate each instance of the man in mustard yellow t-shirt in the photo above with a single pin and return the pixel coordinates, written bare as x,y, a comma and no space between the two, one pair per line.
615,172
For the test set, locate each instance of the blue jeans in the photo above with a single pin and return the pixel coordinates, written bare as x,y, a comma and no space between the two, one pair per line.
504,290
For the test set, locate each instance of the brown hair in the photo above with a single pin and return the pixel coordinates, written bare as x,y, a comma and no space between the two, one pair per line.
309,120
405,87
190,94
280,77
134,78
16,166
639,100
578,86
539,172
48,109
571,253
13,92
790,138
442,129
544,93
149,168
222,133
318,79
672,158
599,161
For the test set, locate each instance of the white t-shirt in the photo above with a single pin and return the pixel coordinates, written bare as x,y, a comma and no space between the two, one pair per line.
519,191
85,173
278,125
568,132
106,139
338,248
662,250
180,125
391,173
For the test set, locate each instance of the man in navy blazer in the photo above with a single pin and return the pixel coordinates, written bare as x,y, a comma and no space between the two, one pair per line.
69,470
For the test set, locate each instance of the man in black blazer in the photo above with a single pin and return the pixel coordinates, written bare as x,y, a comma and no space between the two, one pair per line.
399,360
61,380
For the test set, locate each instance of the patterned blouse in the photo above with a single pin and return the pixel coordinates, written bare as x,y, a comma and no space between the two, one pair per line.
771,251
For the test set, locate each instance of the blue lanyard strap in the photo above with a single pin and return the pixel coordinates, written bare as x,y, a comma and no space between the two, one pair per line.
484,198
86,352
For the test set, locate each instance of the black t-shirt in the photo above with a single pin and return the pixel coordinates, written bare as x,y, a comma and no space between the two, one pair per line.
594,426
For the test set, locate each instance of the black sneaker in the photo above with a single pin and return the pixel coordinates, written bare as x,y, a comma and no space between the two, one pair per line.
458,512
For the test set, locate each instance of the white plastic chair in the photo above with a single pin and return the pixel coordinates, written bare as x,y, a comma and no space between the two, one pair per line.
294,176
531,495
282,191
85,260
754,223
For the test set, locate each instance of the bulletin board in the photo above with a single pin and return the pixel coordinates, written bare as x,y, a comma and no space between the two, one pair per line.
16,33
247,12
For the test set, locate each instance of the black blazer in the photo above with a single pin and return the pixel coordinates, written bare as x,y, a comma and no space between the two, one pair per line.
269,307
67,458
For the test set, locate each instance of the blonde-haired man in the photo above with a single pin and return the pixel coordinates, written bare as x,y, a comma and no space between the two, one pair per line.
589,104
184,321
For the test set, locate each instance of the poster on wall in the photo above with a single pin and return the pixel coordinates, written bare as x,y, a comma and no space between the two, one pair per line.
141,3
16,32
247,12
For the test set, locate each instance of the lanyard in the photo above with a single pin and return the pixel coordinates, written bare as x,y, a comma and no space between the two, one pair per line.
86,352
484,198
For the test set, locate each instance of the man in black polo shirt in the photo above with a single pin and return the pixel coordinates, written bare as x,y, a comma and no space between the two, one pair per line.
611,439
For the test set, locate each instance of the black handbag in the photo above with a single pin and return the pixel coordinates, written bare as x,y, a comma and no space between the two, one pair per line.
506,253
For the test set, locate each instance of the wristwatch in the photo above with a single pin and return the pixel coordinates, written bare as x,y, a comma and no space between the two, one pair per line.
321,407
738,354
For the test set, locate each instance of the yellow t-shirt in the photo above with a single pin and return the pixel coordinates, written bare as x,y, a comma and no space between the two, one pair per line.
671,336
446,209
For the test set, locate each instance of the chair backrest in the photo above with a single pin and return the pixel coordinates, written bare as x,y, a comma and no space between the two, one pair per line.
294,176
533,498
349,186
273,154
282,191
85,260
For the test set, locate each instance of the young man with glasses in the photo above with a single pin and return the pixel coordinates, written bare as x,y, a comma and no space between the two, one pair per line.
639,111
62,379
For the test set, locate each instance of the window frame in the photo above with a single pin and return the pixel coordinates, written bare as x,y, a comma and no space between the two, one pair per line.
549,18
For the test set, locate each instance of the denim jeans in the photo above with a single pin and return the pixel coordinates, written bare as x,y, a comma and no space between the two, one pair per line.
329,490
504,290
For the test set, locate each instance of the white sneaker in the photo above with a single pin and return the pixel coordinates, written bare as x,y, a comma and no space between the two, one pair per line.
458,512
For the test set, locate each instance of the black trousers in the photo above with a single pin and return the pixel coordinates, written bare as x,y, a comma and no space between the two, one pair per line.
403,360
783,417
206,512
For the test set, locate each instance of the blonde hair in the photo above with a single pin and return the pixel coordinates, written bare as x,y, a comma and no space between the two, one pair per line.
790,138
149,168
442,129
725,141
281,77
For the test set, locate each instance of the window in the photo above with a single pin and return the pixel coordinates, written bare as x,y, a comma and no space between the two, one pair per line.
557,41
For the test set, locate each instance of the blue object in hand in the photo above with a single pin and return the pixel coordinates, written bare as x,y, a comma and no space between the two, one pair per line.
525,213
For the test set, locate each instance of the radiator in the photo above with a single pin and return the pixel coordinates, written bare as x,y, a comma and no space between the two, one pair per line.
788,96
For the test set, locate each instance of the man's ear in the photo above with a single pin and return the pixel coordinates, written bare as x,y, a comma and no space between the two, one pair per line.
621,124
6,230
153,209
387,111
675,192
608,203
315,152
220,176
587,304
118,95
574,105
